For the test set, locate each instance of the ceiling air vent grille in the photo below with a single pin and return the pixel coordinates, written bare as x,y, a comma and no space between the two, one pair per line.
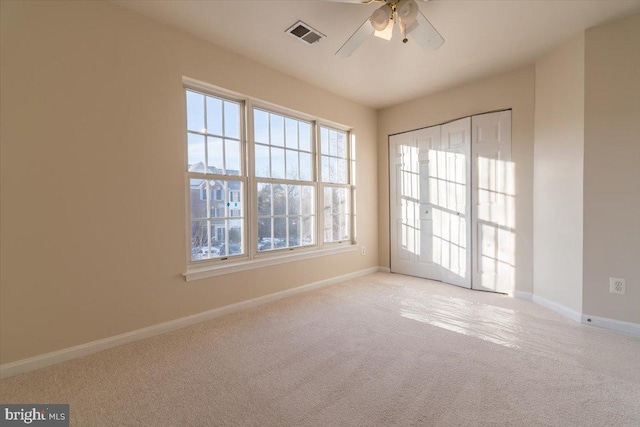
305,33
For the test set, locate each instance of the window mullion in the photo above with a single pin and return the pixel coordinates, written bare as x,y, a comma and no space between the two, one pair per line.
251,211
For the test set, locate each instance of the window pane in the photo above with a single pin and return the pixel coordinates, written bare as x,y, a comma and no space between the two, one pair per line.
195,112
195,150
232,157
216,189
336,214
291,129
307,202
214,116
341,174
279,232
292,164
307,231
304,132
264,234
199,240
234,198
279,200
262,161
342,145
231,119
277,162
198,198
218,235
325,169
333,142
305,166
324,140
294,199
215,161
261,126
277,129
334,156
264,199
294,231
333,170
235,237
341,231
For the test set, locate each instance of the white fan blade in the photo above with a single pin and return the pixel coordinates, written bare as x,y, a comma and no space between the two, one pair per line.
356,39
425,34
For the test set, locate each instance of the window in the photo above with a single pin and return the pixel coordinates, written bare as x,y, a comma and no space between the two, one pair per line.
284,183
214,148
337,189
283,170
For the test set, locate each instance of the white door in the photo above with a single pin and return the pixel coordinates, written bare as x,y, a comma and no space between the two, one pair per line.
430,202
452,214
493,199
409,216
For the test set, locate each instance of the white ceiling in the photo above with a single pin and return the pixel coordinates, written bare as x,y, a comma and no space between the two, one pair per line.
482,37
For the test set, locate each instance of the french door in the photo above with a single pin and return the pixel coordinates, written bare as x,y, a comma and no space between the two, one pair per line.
448,189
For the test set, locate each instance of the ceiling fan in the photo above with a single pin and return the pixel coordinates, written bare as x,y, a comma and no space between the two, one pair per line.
412,23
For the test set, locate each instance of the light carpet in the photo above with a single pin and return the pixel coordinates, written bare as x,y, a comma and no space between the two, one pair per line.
380,350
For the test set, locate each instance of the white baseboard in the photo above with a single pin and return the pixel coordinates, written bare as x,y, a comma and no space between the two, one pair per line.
601,322
612,324
558,308
54,357
528,296
384,269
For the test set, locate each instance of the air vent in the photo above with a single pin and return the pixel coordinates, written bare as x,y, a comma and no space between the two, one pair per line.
305,33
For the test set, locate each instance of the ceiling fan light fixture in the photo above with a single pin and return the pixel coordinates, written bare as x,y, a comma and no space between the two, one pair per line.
381,18
387,33
407,11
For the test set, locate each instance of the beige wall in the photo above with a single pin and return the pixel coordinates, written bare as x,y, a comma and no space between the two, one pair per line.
510,90
558,172
612,169
92,147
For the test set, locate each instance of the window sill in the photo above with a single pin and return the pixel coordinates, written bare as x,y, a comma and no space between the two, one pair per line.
221,268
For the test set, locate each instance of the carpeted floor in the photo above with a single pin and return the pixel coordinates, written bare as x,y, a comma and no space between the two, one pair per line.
381,350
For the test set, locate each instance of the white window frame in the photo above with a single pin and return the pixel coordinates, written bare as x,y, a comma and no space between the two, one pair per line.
251,259
349,185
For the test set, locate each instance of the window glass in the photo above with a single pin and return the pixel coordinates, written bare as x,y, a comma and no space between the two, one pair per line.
336,214
282,147
285,216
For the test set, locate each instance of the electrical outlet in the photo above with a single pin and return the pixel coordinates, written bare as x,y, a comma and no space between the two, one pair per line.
362,250
617,286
